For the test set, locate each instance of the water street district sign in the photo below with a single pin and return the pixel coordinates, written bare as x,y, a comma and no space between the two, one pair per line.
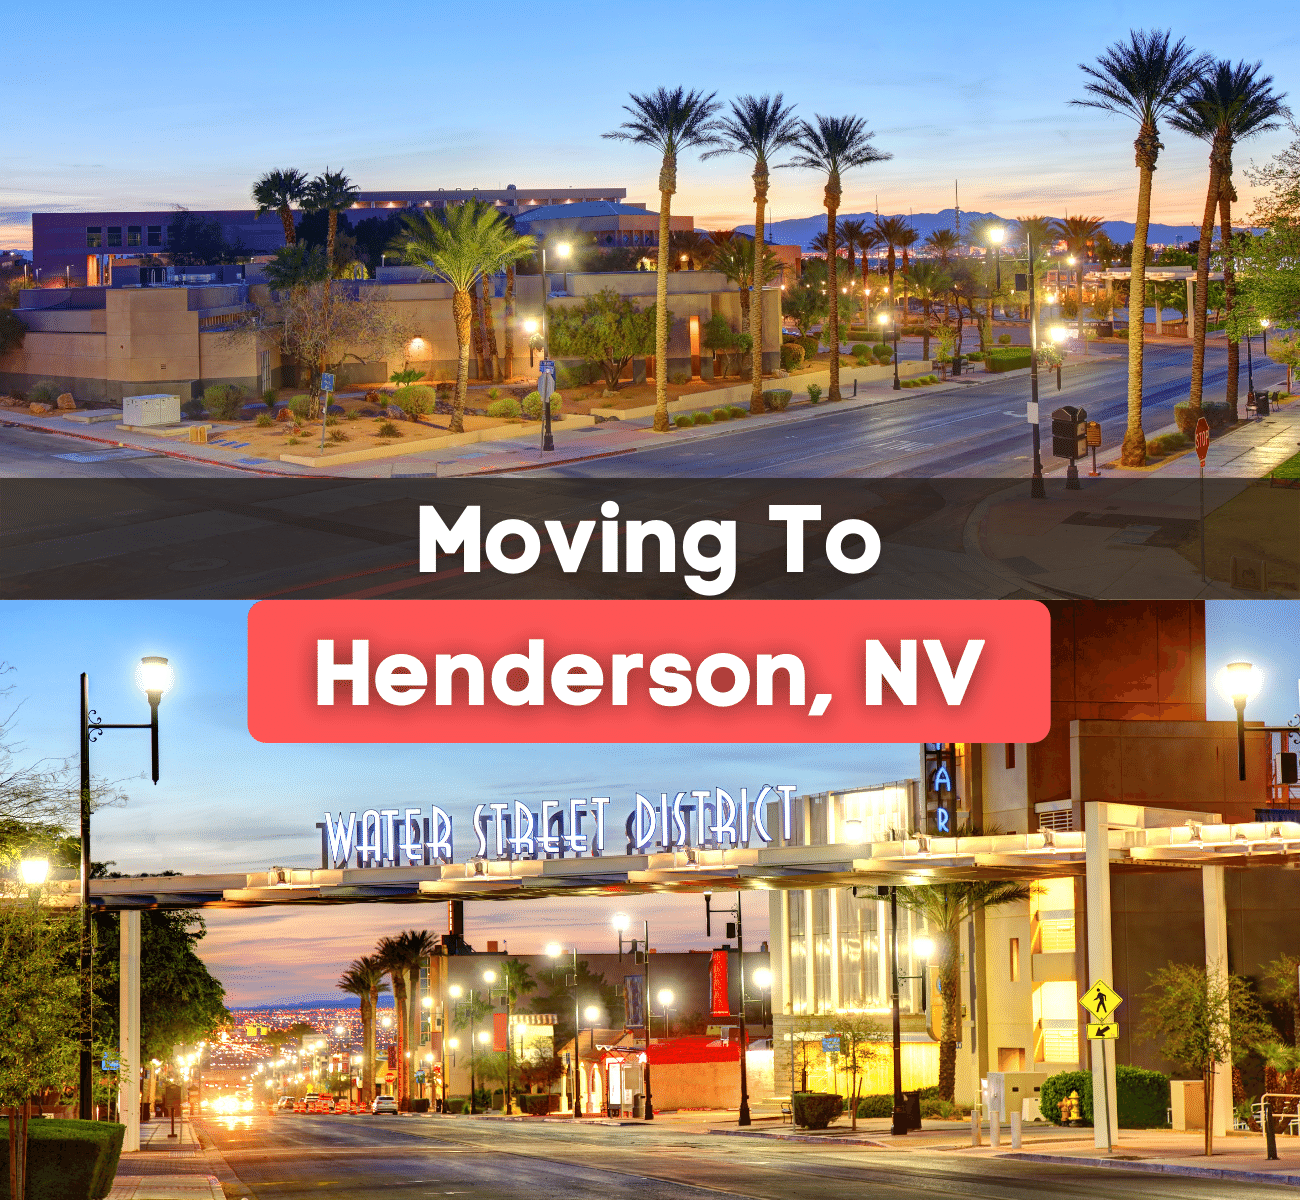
327,382
1106,1031
830,1045
1101,1000
110,1064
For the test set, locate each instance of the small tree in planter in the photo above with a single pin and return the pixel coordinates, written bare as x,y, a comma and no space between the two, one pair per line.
606,329
861,1037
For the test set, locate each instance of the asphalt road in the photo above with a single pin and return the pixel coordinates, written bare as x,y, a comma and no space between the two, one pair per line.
977,432
288,1157
31,454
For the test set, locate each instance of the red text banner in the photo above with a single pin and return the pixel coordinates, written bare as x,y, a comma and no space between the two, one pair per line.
744,671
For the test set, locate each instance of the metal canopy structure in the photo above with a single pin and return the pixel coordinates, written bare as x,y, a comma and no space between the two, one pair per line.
916,860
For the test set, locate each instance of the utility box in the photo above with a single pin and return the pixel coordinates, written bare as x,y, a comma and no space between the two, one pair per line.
151,410
1285,768
1070,432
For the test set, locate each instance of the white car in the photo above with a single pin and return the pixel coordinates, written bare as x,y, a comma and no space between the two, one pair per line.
384,1104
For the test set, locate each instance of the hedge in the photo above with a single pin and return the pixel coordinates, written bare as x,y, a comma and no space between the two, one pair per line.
1217,414
792,356
67,1159
1142,1097
816,1110
1019,357
776,400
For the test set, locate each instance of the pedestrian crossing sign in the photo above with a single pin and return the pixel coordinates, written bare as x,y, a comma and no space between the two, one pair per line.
1105,1031
1101,1000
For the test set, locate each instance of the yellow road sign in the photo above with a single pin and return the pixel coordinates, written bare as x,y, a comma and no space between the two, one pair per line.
1106,1031
1101,1000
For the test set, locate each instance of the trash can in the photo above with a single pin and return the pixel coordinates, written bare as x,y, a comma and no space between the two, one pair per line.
1261,404
912,1110
146,1112
638,1105
1070,432
956,364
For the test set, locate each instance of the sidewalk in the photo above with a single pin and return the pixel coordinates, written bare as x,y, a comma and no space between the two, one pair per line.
166,1168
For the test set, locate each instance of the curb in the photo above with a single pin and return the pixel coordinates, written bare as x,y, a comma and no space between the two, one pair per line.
799,1137
1157,1168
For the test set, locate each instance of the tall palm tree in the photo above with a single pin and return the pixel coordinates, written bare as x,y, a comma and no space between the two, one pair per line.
943,244
277,191
944,906
908,241
670,120
852,232
461,245
734,260
1226,106
364,979
1078,233
831,146
892,231
759,127
1143,79
330,192
400,957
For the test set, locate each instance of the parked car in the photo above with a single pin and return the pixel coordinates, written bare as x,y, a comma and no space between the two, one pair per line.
384,1104
284,1104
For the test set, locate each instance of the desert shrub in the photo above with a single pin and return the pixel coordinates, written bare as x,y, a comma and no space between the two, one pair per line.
859,350
814,393
300,406
722,414
816,1110
1167,443
507,406
682,420
702,418
810,345
1004,339
292,441
884,354
791,356
388,430
777,399
679,377
225,401
443,390
339,435
533,405
193,409
736,411
265,420
43,393
269,397
415,400
494,393
1216,414
907,383
351,415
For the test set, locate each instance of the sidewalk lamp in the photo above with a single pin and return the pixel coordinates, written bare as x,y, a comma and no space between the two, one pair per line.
34,871
563,250
555,951
1058,334
886,318
1240,682
763,981
665,999
1264,323
530,328
153,677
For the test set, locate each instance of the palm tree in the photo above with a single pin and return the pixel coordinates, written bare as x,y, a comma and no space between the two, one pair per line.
944,906
852,232
908,241
892,231
690,247
943,244
400,959
734,259
832,146
330,192
278,191
1078,233
364,979
929,282
1224,107
461,245
758,127
1142,78
670,121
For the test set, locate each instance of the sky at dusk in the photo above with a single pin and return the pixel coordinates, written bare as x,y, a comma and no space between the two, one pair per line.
190,104
228,803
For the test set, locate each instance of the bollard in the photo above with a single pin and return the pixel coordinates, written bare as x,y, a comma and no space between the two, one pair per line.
1015,1131
995,1127
975,1125
1270,1136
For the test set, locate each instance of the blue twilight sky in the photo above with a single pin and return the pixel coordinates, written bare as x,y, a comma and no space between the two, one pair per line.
144,104
226,802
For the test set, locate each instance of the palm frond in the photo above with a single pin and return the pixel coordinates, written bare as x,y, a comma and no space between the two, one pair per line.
836,144
669,119
1143,77
757,127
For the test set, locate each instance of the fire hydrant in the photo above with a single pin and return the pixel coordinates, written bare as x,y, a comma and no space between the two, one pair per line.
1069,1108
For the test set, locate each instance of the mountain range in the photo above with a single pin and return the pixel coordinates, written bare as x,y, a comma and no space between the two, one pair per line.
801,230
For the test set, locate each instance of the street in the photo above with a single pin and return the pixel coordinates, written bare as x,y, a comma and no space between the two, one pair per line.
31,454
288,1157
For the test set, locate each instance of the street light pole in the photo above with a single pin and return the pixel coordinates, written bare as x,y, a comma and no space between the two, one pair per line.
1036,489
562,249
154,677
900,1122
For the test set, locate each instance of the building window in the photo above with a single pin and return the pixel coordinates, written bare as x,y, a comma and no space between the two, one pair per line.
1011,756
171,233
94,237
133,235
155,235
115,235
1014,955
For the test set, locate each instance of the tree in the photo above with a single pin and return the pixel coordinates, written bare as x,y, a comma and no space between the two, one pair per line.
944,906
194,241
1201,1019
806,304
861,1037
277,191
929,282
331,192
893,231
607,329
299,265
1223,107
555,994
1142,79
943,244
461,245
364,979
399,957
758,127
669,121
831,146
1281,984
1078,233
689,249
734,260
718,337
12,331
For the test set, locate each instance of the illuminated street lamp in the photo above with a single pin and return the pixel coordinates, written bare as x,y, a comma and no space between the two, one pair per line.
763,981
1240,682
555,950
154,677
886,318
563,249
530,328
665,999
1058,334
34,871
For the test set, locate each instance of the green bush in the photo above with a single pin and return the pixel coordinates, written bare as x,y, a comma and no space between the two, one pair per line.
702,418
976,356
457,1105
1217,414
388,430
533,405
816,1110
884,354
67,1159
791,356
682,420
576,376
265,420
269,397
225,401
415,400
875,1106
736,411
300,406
814,393
1141,1097
860,350
680,378
507,406
1056,1088
43,393
777,399
810,345
537,1106
1009,360
1004,339
721,414
1167,443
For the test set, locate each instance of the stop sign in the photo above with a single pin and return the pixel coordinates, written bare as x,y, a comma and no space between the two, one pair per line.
390,1076
1202,439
